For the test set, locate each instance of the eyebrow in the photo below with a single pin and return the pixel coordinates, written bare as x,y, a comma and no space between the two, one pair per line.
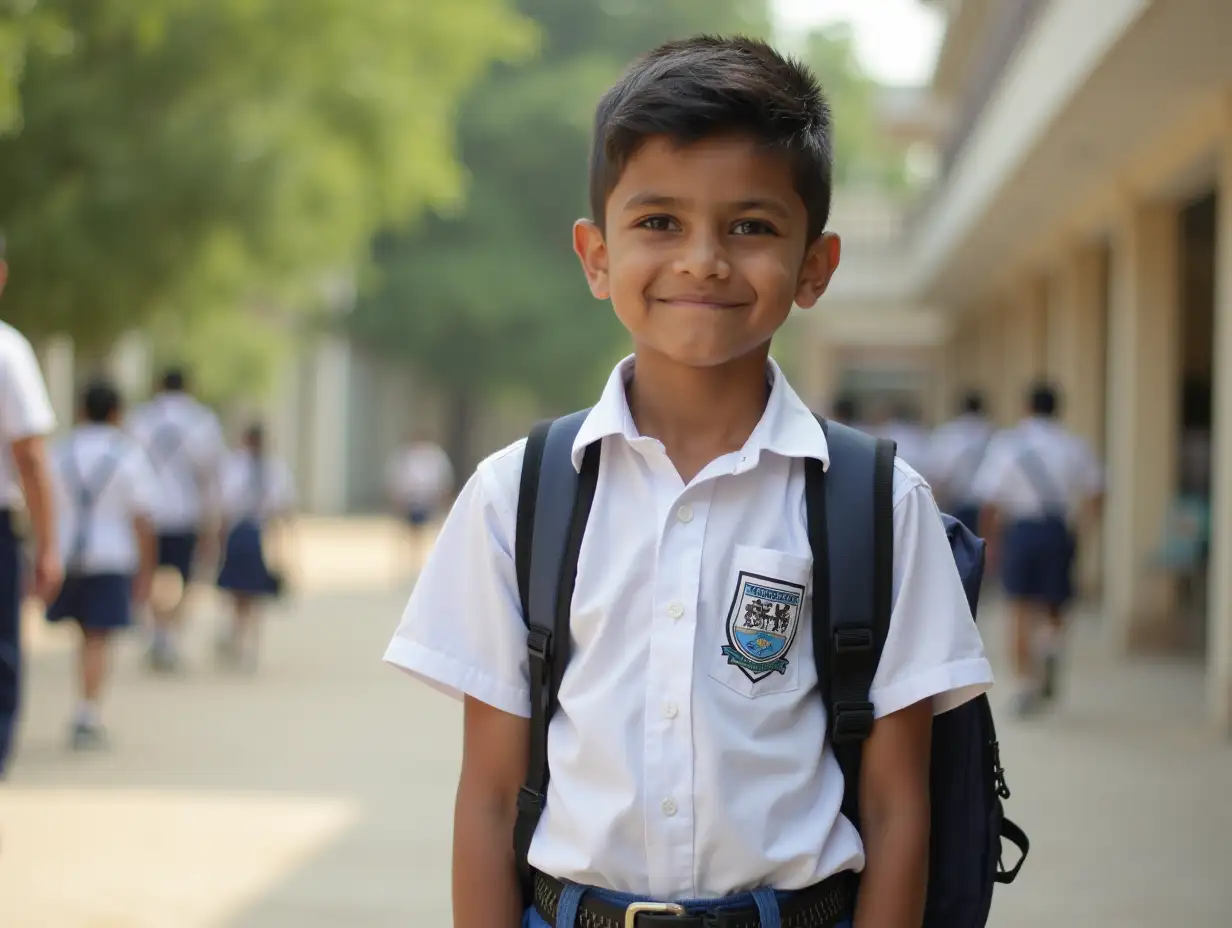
757,204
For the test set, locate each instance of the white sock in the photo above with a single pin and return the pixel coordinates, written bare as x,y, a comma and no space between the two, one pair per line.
86,714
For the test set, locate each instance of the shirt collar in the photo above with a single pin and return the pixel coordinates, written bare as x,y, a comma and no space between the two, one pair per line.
787,427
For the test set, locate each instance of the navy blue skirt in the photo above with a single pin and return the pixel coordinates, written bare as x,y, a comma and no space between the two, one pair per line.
244,570
97,602
177,550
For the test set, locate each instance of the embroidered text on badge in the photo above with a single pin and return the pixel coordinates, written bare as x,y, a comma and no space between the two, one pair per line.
762,624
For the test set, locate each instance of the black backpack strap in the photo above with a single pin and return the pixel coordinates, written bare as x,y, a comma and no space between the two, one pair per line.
553,506
1017,837
851,527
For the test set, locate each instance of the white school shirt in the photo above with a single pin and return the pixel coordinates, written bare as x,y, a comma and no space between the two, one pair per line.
242,497
25,410
955,453
419,475
674,774
187,465
1073,474
130,491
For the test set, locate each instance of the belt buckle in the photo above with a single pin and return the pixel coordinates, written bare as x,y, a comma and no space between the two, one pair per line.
647,908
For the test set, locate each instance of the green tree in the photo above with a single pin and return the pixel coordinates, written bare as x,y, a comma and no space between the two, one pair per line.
490,298
863,155
177,157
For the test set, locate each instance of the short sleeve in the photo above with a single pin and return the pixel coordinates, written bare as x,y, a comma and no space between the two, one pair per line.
25,409
462,630
141,485
933,649
988,483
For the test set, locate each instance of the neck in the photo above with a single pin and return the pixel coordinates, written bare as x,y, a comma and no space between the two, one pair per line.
698,413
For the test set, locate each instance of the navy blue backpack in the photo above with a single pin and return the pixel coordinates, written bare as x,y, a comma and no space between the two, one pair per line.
852,596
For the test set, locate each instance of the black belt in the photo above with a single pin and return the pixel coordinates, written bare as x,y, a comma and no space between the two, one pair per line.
821,906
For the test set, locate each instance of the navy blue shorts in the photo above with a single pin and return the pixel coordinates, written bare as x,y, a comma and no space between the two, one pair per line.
10,635
1037,561
178,550
244,570
97,602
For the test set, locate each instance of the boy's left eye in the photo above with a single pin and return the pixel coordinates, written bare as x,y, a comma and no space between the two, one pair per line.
753,227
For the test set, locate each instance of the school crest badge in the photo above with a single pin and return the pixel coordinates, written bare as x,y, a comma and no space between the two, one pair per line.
762,624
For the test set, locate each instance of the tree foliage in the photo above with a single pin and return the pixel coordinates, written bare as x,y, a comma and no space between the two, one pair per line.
174,156
490,297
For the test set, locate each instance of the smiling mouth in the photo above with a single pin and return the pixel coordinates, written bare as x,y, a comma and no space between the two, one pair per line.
700,302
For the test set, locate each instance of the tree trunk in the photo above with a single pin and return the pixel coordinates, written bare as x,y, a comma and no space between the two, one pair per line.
460,429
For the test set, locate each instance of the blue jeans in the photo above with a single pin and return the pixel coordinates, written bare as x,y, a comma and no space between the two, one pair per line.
767,902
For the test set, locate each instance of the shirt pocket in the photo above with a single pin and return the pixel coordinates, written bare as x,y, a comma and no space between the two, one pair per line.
756,650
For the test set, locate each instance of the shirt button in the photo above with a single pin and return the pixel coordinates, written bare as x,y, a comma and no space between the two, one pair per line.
675,610
685,513
670,710
669,807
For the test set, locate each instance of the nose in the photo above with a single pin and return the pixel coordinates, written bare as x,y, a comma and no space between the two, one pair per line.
703,257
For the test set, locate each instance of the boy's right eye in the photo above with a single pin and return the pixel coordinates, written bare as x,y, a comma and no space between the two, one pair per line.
658,224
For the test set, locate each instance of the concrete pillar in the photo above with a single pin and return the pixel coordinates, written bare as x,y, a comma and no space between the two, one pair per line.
1076,309
131,365
1143,407
327,490
58,372
1026,355
991,339
1076,364
1219,615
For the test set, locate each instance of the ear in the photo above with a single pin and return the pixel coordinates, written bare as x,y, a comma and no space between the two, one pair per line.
820,263
592,252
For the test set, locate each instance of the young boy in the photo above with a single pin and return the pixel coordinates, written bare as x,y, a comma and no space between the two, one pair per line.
185,445
675,776
107,496
1038,484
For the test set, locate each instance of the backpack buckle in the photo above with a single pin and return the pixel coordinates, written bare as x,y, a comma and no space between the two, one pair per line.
853,721
853,640
539,642
530,800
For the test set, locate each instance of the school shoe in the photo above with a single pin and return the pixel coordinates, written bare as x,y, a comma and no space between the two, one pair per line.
1049,670
163,660
88,736
1028,703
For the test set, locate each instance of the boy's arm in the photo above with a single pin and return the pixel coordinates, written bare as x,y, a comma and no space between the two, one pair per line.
486,893
894,819
30,456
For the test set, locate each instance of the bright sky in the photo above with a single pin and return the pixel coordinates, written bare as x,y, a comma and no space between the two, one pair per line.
896,40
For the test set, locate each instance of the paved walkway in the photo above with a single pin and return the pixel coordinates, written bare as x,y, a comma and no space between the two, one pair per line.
320,793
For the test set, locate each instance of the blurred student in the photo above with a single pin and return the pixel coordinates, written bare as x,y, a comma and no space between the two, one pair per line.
419,478
185,445
107,496
256,490
902,426
26,418
955,453
846,411
1037,484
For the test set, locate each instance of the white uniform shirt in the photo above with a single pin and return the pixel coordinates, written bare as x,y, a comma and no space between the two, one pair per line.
955,453
129,491
244,496
1071,474
25,410
419,475
185,444
673,774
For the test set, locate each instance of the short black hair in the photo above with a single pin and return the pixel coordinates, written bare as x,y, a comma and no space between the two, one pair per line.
174,378
100,400
254,436
972,402
846,409
1042,399
706,86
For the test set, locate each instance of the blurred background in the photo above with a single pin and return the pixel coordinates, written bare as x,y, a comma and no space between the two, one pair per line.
352,221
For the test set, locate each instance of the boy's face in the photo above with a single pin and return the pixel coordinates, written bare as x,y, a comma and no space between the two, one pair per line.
705,249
